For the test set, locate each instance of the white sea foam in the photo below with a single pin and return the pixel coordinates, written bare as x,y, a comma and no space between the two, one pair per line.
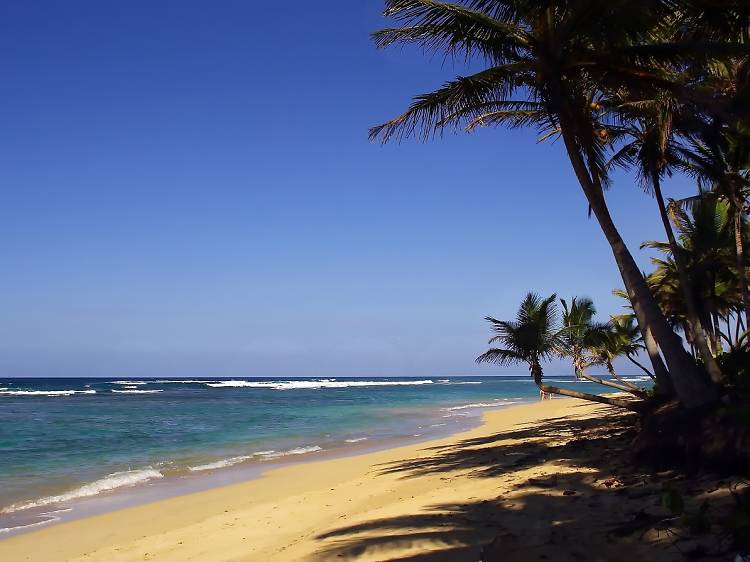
494,404
356,440
56,511
269,455
136,391
314,384
182,381
110,482
51,517
29,526
220,464
230,461
636,379
137,383
45,392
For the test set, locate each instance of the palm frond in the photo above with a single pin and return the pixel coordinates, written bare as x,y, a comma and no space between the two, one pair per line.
459,100
452,29
500,357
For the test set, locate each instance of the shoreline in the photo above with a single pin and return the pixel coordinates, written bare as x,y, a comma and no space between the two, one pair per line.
217,474
297,512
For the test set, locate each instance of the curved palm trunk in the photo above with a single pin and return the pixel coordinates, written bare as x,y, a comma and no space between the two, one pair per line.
641,367
691,387
624,386
633,389
699,333
632,405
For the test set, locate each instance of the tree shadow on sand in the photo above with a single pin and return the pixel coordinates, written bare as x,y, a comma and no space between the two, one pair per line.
585,503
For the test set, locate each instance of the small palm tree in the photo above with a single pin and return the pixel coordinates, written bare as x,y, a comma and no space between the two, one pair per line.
621,339
579,334
533,337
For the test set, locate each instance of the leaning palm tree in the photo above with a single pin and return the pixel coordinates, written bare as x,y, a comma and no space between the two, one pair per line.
581,333
548,65
533,337
620,340
634,339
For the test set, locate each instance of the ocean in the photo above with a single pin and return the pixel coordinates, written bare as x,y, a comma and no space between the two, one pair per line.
75,446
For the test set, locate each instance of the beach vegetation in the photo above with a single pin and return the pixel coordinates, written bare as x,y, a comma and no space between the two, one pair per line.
537,335
657,88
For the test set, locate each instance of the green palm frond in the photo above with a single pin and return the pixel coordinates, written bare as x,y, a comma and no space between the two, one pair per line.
533,336
453,29
500,357
458,101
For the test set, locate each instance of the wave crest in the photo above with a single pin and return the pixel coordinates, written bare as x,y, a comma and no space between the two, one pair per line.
45,392
110,482
311,385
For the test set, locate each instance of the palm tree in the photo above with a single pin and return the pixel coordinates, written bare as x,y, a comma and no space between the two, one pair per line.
721,161
635,340
652,150
547,64
706,243
621,339
579,334
532,338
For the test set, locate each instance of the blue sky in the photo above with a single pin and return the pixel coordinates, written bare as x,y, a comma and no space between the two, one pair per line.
188,189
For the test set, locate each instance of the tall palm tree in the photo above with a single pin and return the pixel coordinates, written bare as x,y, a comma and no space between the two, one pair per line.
653,151
706,245
721,161
535,337
546,64
579,334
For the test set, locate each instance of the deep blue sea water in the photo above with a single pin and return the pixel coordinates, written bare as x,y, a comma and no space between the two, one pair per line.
64,440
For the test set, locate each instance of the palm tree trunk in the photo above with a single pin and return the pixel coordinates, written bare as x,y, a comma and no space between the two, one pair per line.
632,405
699,333
727,319
633,389
661,375
624,386
641,367
691,387
741,262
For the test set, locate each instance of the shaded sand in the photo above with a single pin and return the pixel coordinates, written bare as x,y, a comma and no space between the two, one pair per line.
535,482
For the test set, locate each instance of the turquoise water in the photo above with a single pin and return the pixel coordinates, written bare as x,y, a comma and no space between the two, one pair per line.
62,440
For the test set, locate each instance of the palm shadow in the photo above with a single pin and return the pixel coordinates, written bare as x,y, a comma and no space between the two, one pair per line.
539,520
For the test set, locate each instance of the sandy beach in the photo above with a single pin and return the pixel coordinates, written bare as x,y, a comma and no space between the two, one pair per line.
534,482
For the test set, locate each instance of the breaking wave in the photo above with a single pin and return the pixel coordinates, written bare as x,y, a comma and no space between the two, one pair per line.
314,384
136,391
45,392
110,482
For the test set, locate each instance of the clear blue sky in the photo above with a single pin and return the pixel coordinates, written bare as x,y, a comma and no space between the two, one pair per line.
188,189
